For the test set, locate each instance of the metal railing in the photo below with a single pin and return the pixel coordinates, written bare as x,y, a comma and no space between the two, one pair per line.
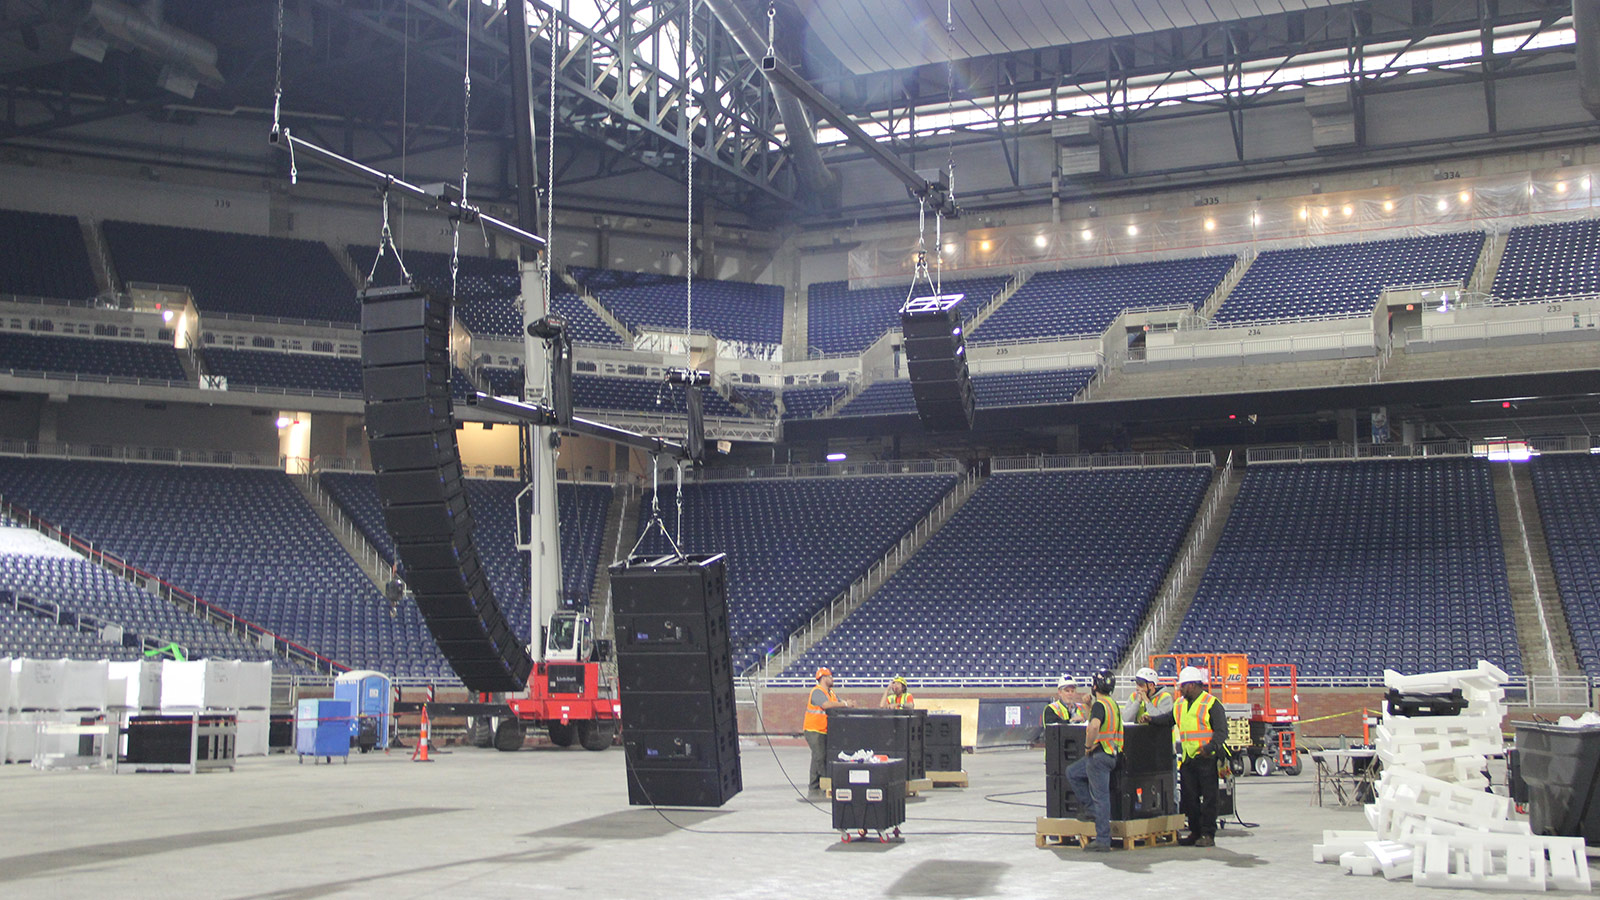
823,621
112,452
1565,325
833,469
270,320
367,556
1363,340
1340,451
1535,691
1165,605
227,621
1103,461
89,378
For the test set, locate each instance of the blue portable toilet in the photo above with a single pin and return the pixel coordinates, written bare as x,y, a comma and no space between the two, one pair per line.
322,728
371,701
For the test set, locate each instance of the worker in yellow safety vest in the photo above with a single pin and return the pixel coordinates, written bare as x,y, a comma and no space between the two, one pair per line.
1090,776
1067,708
1149,698
1202,734
898,695
821,699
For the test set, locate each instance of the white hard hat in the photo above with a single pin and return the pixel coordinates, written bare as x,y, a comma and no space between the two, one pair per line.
1066,681
1147,674
1192,674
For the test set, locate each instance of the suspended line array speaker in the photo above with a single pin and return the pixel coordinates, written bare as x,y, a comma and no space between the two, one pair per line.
676,680
936,357
405,369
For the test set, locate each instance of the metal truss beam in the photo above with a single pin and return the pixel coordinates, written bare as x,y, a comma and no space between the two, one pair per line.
612,82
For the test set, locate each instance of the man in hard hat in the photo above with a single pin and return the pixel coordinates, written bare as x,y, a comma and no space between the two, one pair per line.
1149,698
818,703
1090,776
898,695
1202,734
1067,708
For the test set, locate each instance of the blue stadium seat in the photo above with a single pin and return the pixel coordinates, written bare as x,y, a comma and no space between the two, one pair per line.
788,555
1558,259
90,356
1038,573
840,320
1568,489
244,274
487,293
44,257
1083,302
277,369
1347,568
244,540
1345,279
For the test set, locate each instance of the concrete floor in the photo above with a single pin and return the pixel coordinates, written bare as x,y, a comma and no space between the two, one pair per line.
554,823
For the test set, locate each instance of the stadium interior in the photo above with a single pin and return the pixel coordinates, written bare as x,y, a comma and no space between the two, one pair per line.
1282,321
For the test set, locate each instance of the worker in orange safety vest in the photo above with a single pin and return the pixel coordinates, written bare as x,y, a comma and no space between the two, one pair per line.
818,703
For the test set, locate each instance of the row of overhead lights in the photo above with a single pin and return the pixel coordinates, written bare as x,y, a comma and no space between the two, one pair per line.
1347,210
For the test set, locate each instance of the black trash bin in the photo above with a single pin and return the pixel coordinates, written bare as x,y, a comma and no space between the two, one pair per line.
1561,768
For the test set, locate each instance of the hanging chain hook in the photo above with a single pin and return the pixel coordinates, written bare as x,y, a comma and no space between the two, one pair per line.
277,76
386,240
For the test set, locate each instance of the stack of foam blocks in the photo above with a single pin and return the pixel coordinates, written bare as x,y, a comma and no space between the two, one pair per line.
41,693
1434,820
37,693
229,687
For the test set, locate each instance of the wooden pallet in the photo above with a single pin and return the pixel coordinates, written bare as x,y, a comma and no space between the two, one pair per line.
917,785
1130,834
947,779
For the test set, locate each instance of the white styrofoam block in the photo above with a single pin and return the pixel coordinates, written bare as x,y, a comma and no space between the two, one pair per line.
1374,816
83,684
1569,866
222,684
1486,677
1358,862
1394,859
1336,842
39,682
251,739
255,685
200,684
8,692
142,682
183,684
1485,862
1483,725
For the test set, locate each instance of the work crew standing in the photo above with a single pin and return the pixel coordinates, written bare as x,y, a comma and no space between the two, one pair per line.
1067,708
898,695
1090,776
818,703
1202,726
1149,698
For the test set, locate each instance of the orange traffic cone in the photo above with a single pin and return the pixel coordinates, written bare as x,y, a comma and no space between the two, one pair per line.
421,753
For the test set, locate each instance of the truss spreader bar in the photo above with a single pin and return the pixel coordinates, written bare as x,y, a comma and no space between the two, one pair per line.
452,207
538,414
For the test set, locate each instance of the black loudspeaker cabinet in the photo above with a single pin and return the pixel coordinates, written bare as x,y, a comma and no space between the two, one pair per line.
936,359
941,743
673,632
1143,785
896,733
405,380
683,787
651,672
674,671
